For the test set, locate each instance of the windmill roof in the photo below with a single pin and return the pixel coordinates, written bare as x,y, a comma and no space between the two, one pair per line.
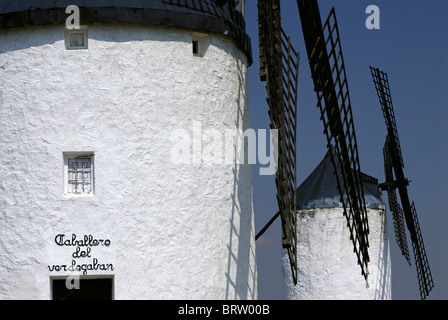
202,15
320,189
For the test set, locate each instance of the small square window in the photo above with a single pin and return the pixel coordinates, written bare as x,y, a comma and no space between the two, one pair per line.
76,39
78,174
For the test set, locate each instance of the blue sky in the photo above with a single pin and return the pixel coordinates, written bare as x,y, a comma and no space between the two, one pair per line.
412,47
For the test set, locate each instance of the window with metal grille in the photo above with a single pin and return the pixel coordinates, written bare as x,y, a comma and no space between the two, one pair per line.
78,172
79,175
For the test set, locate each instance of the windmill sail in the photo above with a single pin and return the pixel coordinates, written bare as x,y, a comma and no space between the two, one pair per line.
329,76
425,280
279,66
383,89
400,182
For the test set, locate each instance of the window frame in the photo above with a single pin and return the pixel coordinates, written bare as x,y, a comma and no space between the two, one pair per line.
71,155
67,39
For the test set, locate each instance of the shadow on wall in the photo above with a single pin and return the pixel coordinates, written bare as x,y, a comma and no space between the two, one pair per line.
382,287
29,38
241,271
49,35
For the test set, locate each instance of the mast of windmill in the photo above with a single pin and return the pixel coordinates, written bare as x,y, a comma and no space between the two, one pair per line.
395,179
279,65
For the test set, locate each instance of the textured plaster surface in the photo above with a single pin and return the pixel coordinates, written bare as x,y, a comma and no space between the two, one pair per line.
176,231
328,267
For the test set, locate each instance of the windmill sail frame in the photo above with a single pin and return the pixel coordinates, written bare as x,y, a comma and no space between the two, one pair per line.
279,67
330,82
399,182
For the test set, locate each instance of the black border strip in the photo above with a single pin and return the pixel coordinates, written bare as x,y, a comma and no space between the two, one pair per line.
144,16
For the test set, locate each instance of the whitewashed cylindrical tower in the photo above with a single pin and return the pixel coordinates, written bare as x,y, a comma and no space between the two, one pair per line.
107,173
327,265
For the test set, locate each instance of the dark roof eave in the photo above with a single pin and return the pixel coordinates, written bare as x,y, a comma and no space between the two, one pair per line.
145,16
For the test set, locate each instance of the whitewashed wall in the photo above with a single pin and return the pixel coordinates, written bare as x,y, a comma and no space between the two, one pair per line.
176,231
328,267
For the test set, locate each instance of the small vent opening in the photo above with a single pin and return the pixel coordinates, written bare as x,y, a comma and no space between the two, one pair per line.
76,39
200,43
195,47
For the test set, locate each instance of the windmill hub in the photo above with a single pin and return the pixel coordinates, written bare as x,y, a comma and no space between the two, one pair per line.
394,184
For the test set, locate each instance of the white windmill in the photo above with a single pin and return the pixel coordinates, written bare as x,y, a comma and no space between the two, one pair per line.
90,119
327,266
